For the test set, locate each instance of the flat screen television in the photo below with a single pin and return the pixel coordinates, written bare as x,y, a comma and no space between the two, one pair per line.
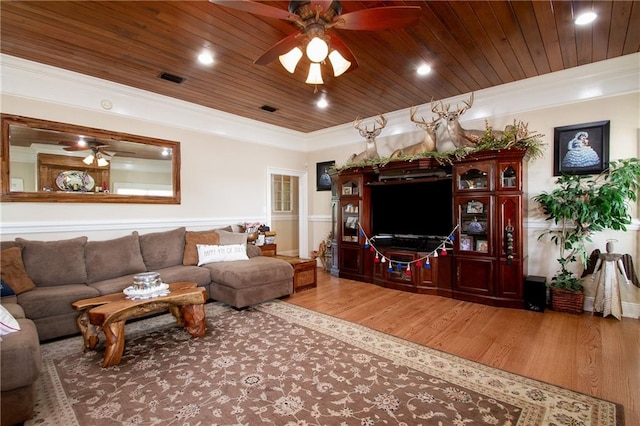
420,208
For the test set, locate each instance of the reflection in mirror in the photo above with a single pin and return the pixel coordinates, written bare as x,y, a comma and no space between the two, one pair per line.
50,161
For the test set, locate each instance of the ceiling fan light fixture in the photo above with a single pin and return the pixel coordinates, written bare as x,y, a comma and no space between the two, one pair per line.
88,160
290,60
317,50
339,63
315,74
102,162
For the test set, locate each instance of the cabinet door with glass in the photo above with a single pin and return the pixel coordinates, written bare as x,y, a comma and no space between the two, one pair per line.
476,176
474,220
509,176
350,212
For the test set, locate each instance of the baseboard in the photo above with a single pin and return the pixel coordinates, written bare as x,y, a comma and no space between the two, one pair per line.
629,310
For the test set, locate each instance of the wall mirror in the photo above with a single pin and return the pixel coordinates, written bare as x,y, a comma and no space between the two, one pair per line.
47,161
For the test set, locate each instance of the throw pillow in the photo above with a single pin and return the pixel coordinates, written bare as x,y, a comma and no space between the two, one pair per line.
8,323
54,262
113,258
5,290
13,272
162,249
192,238
226,253
227,237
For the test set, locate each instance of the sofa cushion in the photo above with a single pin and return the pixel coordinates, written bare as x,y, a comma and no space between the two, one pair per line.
20,357
227,237
254,272
47,302
13,273
54,262
113,258
162,249
8,323
113,285
192,274
253,251
192,239
14,309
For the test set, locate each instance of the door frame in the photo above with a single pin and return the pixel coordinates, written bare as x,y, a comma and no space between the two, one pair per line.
303,204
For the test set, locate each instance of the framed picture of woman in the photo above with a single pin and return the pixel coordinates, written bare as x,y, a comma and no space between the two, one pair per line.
323,182
581,149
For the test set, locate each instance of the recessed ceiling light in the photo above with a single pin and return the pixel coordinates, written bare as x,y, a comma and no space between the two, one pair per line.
205,58
423,69
322,103
586,18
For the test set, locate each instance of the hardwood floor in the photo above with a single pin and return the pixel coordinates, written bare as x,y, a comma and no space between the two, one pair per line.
593,355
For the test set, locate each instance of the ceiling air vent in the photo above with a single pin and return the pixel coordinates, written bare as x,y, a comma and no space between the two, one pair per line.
268,108
171,77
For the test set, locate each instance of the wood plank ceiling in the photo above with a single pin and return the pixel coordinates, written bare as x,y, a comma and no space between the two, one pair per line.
470,45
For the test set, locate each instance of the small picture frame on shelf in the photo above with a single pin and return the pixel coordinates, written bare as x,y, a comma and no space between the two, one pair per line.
352,222
466,243
346,190
475,207
482,246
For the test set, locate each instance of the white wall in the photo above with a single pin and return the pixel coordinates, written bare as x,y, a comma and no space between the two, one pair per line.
223,181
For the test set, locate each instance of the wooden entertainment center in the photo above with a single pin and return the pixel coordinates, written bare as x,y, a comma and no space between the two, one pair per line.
484,256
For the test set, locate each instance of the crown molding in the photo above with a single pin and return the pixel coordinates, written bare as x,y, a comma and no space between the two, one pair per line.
602,79
35,81
31,80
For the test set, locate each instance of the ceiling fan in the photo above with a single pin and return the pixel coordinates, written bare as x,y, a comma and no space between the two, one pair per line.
313,19
98,152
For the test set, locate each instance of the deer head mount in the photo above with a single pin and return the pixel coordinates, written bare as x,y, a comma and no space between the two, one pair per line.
371,151
428,144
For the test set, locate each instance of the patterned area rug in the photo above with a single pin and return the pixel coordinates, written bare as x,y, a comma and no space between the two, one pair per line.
281,364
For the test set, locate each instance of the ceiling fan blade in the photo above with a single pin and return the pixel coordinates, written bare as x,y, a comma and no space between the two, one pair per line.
111,153
280,48
77,148
379,18
344,50
255,8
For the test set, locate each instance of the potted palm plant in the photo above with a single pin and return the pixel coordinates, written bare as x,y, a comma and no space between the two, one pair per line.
580,206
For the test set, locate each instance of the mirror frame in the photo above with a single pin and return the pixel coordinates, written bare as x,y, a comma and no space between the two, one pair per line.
69,197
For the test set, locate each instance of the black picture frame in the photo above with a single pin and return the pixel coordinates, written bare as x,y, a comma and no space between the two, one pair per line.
581,149
322,183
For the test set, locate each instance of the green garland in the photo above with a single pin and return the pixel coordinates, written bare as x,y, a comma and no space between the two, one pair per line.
516,136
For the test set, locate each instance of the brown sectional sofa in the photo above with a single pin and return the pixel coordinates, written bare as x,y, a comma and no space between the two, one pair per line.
65,271
21,364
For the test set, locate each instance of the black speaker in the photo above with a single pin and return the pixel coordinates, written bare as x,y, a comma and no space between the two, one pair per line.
535,293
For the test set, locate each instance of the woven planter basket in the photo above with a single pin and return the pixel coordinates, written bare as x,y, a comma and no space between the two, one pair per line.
567,301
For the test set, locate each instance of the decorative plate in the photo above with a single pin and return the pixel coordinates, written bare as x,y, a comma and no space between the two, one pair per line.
132,293
75,180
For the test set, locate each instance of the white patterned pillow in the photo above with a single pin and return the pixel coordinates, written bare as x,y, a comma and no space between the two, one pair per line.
8,323
221,253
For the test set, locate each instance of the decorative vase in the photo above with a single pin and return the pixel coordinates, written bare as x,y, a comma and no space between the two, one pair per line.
568,301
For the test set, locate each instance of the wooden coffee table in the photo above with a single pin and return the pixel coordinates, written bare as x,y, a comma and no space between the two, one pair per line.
108,314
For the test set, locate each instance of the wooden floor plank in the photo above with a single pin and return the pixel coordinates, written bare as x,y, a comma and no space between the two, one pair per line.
589,354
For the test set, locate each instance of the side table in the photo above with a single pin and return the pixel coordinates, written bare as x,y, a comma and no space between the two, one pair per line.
305,272
269,249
